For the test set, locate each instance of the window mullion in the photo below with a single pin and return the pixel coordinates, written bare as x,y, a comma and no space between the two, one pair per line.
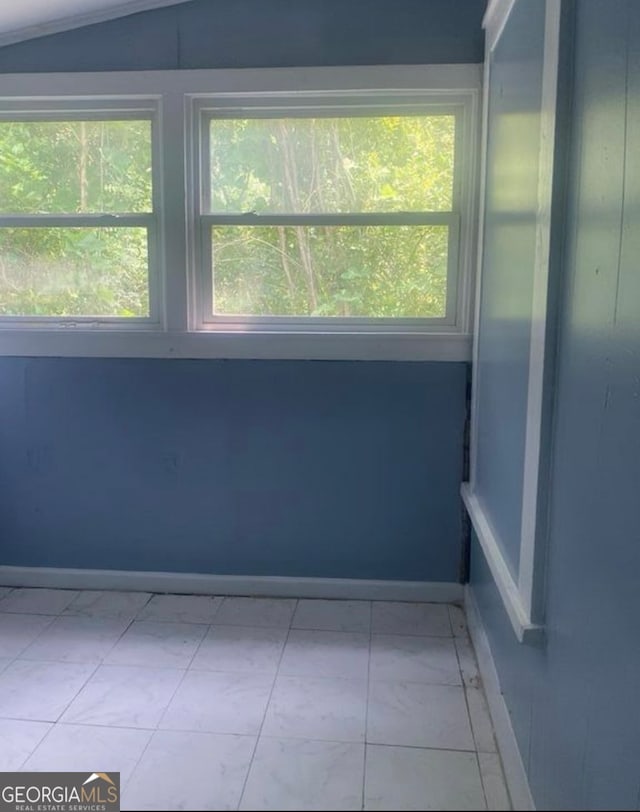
172,207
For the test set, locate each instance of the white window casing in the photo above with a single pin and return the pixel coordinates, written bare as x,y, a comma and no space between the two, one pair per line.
179,104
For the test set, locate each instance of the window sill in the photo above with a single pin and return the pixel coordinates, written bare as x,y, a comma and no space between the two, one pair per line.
267,345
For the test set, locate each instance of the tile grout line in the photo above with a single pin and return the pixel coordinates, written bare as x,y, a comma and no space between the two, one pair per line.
366,712
62,616
484,791
57,722
373,744
54,722
77,592
242,735
171,698
266,707
124,631
40,741
466,703
18,656
500,776
14,659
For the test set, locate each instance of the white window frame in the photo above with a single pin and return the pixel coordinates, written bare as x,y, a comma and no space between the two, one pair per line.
311,105
179,325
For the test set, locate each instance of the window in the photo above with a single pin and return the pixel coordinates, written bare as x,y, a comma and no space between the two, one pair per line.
76,216
330,217
277,213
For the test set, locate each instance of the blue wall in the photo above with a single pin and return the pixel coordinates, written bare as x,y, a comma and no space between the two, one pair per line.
264,33
281,468
574,700
269,468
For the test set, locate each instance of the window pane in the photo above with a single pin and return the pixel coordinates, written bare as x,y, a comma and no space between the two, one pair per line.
374,271
74,272
306,165
75,166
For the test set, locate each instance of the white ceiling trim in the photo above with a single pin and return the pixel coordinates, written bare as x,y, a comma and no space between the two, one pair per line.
121,9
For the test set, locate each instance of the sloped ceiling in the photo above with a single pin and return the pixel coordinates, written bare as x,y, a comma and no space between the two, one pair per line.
26,19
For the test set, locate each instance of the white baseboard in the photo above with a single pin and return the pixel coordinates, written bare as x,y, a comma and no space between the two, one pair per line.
514,771
263,586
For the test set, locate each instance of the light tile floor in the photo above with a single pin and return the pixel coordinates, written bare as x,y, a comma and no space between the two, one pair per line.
248,703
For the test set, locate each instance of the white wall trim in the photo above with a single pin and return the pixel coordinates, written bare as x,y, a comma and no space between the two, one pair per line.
123,9
523,595
258,345
532,543
526,630
330,79
477,304
493,22
513,766
258,585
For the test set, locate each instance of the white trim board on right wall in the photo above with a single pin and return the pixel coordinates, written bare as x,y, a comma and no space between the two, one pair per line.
520,582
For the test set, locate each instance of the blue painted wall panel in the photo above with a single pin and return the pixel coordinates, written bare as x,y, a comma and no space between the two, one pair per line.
574,701
345,469
263,33
507,271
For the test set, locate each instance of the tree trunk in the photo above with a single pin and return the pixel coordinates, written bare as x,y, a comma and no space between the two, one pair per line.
302,236
84,160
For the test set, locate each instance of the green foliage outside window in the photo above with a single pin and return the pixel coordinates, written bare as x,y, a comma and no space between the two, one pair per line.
351,165
335,166
74,167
